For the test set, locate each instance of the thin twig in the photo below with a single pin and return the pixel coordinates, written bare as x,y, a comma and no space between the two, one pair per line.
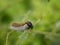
26,15
22,37
37,21
8,37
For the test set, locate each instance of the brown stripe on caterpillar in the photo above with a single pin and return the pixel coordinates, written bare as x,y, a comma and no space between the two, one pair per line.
17,24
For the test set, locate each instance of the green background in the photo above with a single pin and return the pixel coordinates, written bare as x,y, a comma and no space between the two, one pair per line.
44,14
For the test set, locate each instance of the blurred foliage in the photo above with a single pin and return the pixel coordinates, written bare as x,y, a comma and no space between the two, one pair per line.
44,14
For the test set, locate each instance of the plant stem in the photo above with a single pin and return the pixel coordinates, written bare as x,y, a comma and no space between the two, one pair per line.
8,37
